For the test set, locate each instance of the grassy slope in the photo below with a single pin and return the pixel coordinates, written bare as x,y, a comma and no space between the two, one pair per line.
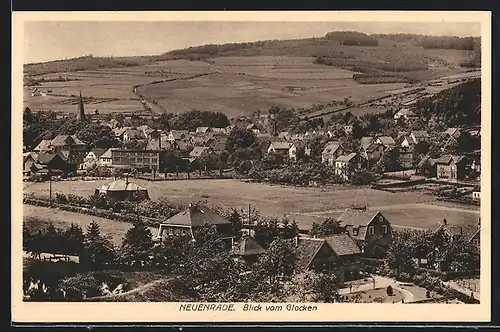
40,216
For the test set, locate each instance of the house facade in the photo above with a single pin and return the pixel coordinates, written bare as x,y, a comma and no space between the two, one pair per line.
331,152
337,253
347,164
366,226
283,148
450,167
70,147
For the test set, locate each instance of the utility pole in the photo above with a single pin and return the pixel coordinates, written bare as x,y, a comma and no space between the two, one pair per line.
50,187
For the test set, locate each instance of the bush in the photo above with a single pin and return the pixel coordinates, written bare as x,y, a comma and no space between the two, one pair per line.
389,290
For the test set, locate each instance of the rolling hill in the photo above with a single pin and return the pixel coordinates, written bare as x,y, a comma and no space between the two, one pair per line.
240,78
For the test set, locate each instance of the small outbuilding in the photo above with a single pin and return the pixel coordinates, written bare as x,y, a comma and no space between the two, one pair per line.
122,189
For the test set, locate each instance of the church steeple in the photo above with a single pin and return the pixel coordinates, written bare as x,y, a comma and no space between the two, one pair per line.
81,111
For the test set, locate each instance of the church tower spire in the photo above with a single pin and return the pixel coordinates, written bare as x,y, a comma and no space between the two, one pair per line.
81,111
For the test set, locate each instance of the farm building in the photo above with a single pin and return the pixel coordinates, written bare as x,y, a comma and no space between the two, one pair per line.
122,189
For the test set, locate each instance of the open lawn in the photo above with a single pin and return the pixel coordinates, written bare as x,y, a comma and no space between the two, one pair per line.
304,204
63,219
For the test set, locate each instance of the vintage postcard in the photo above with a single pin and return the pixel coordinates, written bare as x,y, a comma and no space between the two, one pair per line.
251,167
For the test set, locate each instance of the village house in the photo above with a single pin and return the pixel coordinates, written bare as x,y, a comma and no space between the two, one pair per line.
337,253
285,136
331,152
123,189
451,167
203,130
453,133
372,152
119,131
366,226
106,159
217,130
69,147
366,141
92,158
133,134
146,131
178,135
247,249
255,128
200,151
43,146
284,149
404,113
191,219
44,162
414,138
476,193
406,157
347,164
387,142
459,232
426,167
142,160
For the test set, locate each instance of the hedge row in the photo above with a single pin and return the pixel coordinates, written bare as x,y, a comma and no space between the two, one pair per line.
93,212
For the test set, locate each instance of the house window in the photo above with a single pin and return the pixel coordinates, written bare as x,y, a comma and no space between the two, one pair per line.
355,232
371,230
384,229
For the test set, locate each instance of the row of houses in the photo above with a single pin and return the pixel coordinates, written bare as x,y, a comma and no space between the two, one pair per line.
341,253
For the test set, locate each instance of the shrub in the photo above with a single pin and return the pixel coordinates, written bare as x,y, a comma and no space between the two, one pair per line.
378,299
427,294
389,290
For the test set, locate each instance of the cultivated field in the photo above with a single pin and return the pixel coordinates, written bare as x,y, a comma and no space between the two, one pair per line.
408,209
239,85
235,85
63,219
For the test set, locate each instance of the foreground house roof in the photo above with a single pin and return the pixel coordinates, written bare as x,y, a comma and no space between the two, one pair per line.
247,246
357,217
343,245
347,158
62,140
307,249
196,216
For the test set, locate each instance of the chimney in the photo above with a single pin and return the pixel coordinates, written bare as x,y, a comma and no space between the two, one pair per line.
296,240
445,222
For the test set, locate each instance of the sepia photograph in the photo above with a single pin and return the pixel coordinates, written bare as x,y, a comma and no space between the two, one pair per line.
258,166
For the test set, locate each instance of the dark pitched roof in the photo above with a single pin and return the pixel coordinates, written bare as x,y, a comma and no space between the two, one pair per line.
387,140
343,245
47,158
61,140
198,151
447,158
463,232
307,249
196,216
44,145
347,158
247,246
366,141
98,152
357,217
